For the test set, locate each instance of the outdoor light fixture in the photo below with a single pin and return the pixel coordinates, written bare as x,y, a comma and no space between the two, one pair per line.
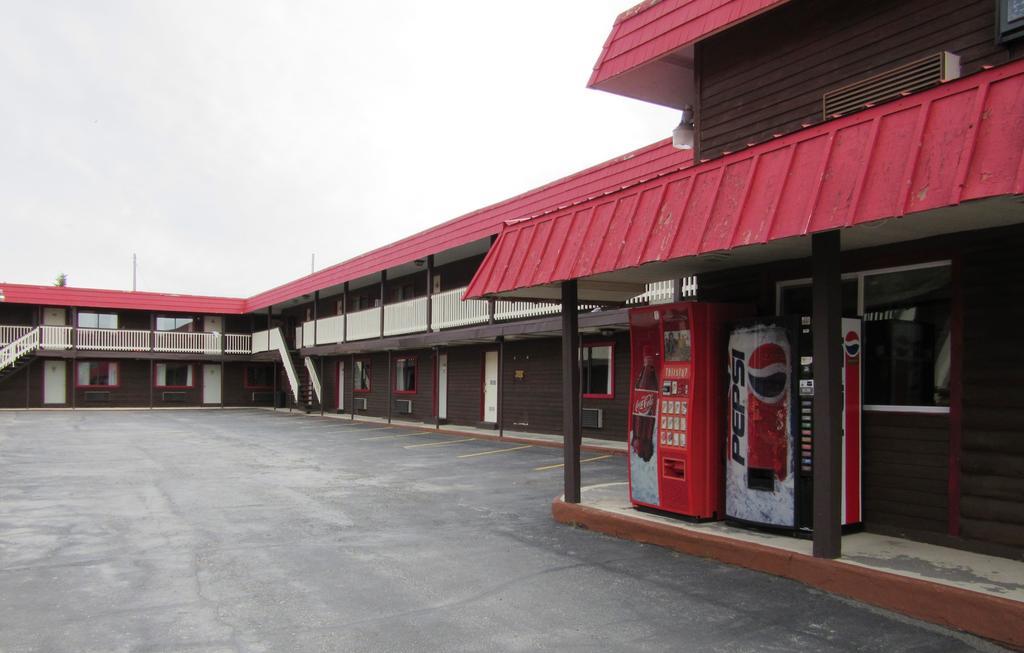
419,262
682,136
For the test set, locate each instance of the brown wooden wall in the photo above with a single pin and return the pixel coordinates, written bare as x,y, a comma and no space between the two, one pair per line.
906,471
19,314
992,460
767,75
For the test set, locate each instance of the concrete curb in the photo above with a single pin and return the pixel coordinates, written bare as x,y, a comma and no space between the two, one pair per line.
987,616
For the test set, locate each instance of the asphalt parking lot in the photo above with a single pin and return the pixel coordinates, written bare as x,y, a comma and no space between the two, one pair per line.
254,531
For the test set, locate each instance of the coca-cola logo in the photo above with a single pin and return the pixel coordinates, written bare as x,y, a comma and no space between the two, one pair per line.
644,404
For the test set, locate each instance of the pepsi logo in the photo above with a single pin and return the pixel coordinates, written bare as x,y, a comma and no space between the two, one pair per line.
768,372
852,344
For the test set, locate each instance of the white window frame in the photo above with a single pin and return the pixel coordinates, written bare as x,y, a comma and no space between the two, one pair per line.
859,276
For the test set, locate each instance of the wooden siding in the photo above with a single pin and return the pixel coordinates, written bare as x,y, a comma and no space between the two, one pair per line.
768,75
234,391
992,461
465,365
906,471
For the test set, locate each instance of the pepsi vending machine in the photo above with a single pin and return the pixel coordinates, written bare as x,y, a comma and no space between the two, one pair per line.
770,453
677,406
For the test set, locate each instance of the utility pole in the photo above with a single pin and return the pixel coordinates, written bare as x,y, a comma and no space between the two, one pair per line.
312,263
135,269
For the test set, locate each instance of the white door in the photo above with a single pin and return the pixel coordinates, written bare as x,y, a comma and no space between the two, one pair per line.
211,384
491,387
55,382
341,386
55,316
213,323
442,386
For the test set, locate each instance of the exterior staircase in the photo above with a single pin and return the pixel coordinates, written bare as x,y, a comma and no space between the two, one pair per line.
19,353
309,387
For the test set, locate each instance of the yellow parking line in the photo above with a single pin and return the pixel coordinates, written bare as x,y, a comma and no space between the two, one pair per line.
397,435
585,460
437,444
487,453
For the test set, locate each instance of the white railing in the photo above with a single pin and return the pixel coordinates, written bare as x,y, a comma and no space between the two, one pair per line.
184,342
364,324
307,336
260,341
689,287
112,339
19,347
298,337
409,316
448,310
55,337
237,343
330,330
9,334
277,342
506,310
314,379
659,292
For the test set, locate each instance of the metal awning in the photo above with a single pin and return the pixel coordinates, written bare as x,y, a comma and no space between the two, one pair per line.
943,160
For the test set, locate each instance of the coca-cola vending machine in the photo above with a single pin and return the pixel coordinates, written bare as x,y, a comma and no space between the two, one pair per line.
677,406
770,453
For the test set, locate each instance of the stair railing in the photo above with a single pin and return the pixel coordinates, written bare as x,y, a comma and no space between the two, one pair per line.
314,379
277,342
26,344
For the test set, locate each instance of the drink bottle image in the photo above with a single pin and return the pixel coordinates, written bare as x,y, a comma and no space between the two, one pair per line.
645,408
767,404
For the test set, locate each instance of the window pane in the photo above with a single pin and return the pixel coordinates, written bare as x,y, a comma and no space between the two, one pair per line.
173,323
907,339
107,320
361,380
405,375
173,374
597,374
98,373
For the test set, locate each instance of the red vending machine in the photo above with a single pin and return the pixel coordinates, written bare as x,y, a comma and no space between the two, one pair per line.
770,454
677,406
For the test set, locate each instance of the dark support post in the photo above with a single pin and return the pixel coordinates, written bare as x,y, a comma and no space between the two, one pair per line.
222,383
74,357
826,328
316,316
677,289
437,387
490,311
501,386
322,384
383,282
275,372
571,391
352,392
344,312
152,380
430,291
388,395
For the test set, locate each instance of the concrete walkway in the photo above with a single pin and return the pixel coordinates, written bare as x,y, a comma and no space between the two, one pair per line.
973,592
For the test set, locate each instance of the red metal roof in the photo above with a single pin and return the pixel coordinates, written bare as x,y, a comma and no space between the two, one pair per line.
644,163
960,141
15,293
655,28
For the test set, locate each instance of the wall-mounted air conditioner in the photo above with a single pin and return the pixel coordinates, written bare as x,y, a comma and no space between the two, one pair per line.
360,403
593,418
403,406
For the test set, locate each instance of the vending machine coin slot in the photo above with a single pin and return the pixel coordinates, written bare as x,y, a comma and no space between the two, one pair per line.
675,469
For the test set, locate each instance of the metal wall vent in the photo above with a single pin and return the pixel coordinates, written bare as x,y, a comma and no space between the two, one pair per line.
593,418
902,80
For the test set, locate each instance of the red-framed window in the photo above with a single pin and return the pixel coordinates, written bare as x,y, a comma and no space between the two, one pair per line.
259,377
597,370
361,375
173,375
405,375
97,374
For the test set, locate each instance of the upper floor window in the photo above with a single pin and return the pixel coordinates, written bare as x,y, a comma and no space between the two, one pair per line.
96,374
174,323
405,375
905,333
89,320
596,378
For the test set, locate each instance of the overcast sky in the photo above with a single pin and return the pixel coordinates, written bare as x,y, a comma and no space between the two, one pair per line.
226,141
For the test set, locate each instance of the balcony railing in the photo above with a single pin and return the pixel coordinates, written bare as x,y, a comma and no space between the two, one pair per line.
405,317
113,339
183,342
447,310
9,334
364,324
137,340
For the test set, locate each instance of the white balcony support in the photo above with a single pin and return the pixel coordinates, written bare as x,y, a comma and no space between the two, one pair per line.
19,347
9,334
260,341
237,343
298,337
183,342
277,342
112,339
689,287
364,324
409,316
330,330
448,310
314,379
55,337
507,310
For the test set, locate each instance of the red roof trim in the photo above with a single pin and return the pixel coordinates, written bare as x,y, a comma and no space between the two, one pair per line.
960,141
655,28
15,293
